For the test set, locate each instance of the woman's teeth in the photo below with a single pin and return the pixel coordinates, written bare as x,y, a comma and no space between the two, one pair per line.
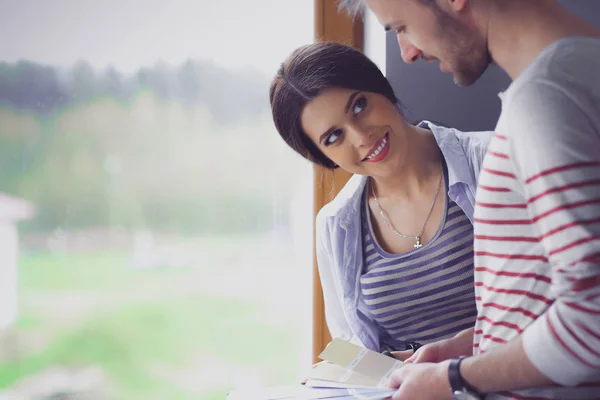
378,150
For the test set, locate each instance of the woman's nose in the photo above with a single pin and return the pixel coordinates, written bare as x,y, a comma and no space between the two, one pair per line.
361,136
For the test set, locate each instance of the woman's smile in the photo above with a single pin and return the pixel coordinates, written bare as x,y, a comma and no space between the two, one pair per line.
380,150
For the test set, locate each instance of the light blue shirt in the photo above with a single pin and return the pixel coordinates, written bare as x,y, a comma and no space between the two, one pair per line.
339,241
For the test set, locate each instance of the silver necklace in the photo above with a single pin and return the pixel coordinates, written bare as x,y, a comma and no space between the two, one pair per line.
387,221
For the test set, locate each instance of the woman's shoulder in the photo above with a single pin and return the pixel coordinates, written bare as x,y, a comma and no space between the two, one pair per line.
474,139
346,202
466,139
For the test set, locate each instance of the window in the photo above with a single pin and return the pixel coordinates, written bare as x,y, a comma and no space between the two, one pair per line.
163,229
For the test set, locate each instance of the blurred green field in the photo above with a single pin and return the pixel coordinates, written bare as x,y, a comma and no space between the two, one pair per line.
187,333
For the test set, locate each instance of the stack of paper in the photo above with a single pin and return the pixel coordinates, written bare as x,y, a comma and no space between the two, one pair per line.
348,371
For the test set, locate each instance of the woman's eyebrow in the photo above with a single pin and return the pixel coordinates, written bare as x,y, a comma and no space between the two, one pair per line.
326,134
350,100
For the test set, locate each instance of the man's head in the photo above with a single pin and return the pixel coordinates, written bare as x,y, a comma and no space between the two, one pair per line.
451,31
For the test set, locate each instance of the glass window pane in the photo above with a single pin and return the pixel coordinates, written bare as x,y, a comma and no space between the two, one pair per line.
155,231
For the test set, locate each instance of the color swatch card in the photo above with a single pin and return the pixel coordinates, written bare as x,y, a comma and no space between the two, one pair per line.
356,359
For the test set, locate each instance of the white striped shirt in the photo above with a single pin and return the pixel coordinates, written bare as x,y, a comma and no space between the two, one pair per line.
537,222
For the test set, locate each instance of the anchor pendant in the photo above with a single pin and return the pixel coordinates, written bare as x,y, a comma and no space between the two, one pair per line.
417,244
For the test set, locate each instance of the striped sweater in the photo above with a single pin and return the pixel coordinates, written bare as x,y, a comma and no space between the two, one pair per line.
537,222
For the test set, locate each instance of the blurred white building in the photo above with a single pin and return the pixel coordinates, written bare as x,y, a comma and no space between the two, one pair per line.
12,210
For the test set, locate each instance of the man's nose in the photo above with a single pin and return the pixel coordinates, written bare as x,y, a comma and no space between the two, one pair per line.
410,53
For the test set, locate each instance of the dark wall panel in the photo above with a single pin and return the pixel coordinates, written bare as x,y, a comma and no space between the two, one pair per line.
429,94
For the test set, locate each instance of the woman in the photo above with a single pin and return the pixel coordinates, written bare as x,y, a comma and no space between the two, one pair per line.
395,247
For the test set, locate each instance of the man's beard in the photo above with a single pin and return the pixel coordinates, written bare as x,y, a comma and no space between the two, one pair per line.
467,52
468,71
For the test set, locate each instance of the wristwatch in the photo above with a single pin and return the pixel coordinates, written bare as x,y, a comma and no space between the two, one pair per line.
461,390
413,345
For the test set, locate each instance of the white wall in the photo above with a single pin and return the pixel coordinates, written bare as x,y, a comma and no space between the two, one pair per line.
375,46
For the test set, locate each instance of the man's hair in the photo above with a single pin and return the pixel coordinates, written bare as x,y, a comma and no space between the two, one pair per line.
353,7
357,7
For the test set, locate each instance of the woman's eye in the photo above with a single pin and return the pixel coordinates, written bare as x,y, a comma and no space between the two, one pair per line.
360,105
331,139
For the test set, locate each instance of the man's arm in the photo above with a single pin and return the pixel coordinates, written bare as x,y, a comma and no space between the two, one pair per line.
502,368
506,367
555,148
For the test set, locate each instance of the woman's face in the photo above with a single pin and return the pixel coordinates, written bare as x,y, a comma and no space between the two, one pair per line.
362,132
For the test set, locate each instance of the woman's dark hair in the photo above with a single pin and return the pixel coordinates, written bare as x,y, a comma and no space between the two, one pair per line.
305,74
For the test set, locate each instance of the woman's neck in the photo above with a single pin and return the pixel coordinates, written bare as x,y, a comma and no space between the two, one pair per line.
417,174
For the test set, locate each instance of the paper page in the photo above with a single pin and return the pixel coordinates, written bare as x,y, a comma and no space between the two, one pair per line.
331,384
300,392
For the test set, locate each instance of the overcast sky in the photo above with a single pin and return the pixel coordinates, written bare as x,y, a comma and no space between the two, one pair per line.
132,33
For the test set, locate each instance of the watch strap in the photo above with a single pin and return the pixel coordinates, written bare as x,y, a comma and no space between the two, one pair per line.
457,383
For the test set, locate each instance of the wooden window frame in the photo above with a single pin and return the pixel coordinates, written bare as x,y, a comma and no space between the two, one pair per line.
337,27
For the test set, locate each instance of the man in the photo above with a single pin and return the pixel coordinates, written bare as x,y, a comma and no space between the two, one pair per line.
537,217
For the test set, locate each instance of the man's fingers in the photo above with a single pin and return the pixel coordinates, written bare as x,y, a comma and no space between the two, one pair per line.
425,354
402,355
421,355
396,378
411,359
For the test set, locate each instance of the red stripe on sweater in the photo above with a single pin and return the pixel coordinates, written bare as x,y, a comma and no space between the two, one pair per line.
560,189
567,347
583,284
499,155
581,308
523,311
500,173
572,245
537,277
550,171
590,258
491,337
577,338
588,330
493,188
503,221
545,214
570,225
565,207
515,291
501,323
494,205
507,238
512,256
494,338
592,297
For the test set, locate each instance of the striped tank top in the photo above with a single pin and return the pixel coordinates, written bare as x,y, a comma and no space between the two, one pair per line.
423,295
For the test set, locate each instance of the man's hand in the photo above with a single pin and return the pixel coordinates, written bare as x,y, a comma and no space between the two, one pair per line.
459,345
421,381
403,355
